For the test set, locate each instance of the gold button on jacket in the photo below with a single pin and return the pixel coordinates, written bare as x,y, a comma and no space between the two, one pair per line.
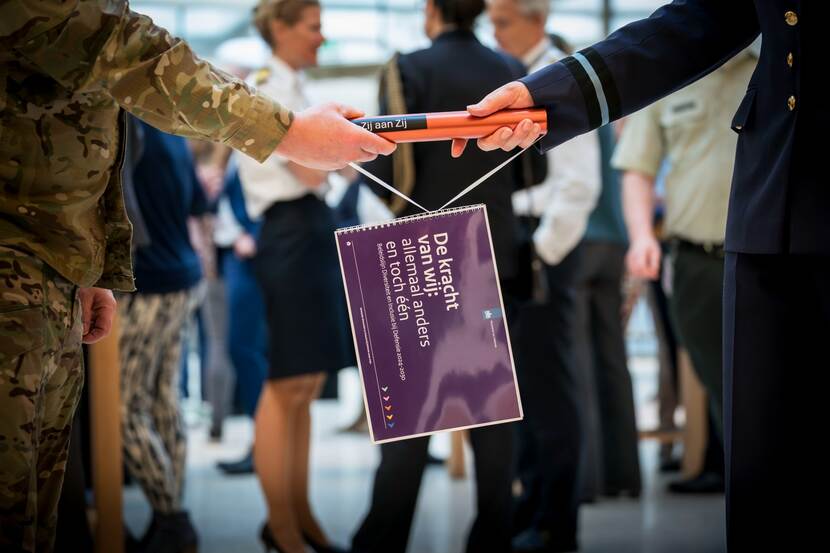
791,18
791,103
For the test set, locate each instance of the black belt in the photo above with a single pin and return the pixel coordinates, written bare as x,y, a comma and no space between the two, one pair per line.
708,248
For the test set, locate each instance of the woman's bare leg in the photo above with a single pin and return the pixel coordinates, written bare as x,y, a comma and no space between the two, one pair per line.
300,466
275,443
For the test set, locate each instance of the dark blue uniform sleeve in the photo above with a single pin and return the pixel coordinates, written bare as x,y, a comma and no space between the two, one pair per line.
639,64
233,189
200,203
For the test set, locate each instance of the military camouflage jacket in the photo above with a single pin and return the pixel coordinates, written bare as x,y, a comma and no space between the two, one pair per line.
67,67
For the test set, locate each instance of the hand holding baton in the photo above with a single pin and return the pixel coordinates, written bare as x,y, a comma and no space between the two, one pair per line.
431,127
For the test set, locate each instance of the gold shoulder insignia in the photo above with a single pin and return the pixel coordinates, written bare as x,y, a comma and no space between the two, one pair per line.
261,76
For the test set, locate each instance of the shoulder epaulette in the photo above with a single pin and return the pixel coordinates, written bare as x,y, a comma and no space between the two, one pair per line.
261,76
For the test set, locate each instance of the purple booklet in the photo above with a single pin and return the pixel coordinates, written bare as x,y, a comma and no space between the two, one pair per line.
429,324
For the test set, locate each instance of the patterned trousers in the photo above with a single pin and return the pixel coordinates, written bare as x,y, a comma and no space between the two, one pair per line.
41,376
153,430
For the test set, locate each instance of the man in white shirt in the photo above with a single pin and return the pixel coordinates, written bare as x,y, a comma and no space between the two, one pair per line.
566,198
551,438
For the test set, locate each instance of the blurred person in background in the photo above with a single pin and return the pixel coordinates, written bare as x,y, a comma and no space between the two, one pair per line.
247,332
443,77
167,272
668,376
655,295
689,129
235,315
555,214
614,467
298,272
209,320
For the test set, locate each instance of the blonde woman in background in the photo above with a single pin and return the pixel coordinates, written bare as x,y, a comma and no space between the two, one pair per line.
297,270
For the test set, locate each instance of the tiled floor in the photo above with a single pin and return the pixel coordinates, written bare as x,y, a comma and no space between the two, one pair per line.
228,510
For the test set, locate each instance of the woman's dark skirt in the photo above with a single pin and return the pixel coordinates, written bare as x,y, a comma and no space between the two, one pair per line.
298,271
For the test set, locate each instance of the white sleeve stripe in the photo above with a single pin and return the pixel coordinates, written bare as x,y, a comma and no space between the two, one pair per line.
601,100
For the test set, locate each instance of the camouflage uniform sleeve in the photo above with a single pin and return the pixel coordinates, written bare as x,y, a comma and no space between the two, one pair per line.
101,44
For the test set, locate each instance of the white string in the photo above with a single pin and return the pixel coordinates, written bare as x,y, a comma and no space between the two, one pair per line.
390,188
487,175
464,192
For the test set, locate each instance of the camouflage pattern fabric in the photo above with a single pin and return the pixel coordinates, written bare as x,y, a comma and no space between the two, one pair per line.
41,376
66,69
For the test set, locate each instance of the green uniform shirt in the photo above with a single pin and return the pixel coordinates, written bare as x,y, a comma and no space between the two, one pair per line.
67,67
691,131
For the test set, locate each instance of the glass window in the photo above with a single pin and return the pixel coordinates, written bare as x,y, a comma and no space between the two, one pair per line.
369,31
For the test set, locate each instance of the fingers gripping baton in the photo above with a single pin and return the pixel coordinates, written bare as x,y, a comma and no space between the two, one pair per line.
446,125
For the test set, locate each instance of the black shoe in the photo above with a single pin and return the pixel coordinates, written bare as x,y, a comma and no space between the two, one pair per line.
268,540
524,510
614,493
320,548
141,545
131,544
705,482
215,434
433,460
533,540
242,466
171,533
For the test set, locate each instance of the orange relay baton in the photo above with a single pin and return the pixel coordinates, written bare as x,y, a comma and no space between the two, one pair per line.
446,125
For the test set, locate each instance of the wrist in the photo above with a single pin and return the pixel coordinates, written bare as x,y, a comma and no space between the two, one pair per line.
642,237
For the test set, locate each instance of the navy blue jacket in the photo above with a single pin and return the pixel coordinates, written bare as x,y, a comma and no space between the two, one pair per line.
444,77
780,200
168,192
